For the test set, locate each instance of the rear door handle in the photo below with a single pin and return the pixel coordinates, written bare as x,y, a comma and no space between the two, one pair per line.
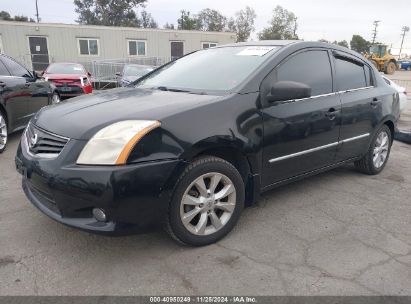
27,84
331,113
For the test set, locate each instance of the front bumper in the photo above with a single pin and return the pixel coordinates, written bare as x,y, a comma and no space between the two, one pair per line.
135,197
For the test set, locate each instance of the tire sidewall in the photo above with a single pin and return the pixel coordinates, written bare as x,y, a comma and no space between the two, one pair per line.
371,150
175,222
5,119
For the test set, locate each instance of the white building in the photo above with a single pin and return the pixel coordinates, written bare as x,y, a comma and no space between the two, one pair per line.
38,44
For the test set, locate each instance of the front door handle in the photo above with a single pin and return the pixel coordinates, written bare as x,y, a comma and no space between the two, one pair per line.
27,84
331,113
375,102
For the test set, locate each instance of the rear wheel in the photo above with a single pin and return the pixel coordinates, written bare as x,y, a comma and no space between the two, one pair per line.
377,156
207,202
390,68
3,132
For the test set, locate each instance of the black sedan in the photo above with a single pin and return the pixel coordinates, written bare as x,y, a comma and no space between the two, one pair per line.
22,94
196,140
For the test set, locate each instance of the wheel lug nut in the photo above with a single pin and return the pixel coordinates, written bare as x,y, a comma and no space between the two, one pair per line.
201,205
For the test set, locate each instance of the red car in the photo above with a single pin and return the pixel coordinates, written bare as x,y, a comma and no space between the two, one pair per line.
71,79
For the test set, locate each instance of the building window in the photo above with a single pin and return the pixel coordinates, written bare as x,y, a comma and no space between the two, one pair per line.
136,47
207,45
88,46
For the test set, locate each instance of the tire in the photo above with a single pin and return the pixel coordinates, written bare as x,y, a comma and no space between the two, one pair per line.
55,98
214,218
390,68
3,131
367,164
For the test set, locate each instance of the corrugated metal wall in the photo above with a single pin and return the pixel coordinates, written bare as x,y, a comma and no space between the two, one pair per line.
63,40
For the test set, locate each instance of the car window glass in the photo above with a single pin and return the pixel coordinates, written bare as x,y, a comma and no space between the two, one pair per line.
3,70
15,68
349,74
312,68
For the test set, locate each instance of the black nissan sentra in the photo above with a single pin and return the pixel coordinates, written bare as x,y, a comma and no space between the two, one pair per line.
193,142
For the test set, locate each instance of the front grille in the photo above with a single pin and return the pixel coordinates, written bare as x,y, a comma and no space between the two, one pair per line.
65,82
45,198
43,143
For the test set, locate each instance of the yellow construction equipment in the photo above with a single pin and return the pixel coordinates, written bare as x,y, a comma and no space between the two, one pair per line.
381,58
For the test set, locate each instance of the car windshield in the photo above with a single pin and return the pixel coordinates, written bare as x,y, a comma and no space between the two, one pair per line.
65,69
217,69
132,70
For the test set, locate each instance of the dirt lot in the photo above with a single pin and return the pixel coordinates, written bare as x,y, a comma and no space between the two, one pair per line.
339,233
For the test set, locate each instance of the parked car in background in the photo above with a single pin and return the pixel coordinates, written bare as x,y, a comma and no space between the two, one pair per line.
132,72
401,91
22,94
404,65
193,142
71,79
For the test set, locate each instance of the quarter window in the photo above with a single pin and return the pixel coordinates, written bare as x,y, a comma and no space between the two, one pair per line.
312,68
88,47
207,45
136,48
349,74
3,70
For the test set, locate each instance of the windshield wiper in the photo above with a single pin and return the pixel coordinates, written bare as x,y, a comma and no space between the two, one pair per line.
164,88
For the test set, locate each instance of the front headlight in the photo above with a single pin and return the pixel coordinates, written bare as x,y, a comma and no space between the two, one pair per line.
113,144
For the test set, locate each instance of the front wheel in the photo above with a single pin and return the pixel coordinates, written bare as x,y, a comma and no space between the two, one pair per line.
55,98
390,68
376,158
3,132
207,202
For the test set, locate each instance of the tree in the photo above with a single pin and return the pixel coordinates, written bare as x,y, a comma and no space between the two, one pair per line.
210,20
186,22
147,21
6,17
108,12
359,44
243,24
169,26
323,40
343,43
282,26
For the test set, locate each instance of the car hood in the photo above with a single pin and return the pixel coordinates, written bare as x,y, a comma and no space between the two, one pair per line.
81,117
63,76
131,78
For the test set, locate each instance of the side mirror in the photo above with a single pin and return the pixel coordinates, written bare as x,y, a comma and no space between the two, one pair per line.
288,90
88,74
118,74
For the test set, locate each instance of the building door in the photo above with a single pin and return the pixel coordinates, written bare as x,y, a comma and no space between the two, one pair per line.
177,49
39,53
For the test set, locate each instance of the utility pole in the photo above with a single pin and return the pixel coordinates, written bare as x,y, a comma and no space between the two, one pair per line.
37,12
374,32
404,30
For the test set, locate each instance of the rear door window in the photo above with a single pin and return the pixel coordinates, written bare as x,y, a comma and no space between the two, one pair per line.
15,68
312,68
349,74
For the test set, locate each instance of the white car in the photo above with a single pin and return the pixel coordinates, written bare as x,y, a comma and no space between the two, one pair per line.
401,90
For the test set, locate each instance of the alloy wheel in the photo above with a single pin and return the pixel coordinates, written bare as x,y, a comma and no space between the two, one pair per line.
55,98
208,203
3,132
380,149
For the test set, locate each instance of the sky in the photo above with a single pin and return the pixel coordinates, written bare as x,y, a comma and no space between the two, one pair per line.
317,19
